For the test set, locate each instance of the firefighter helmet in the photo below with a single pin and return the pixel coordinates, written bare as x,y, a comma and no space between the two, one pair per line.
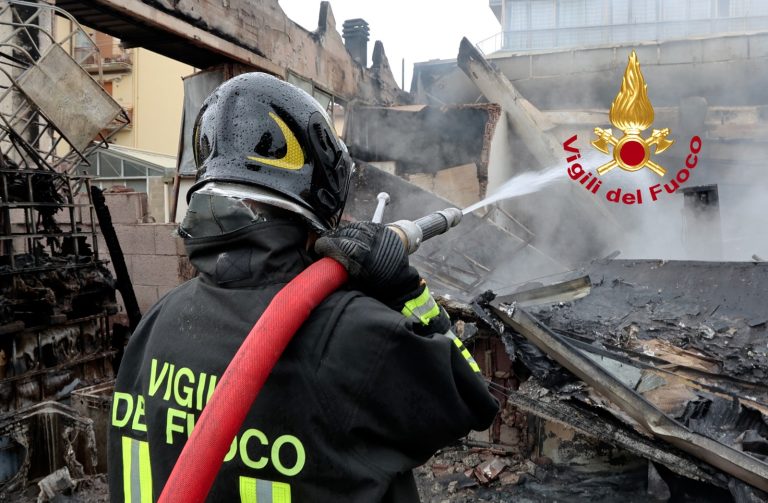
274,140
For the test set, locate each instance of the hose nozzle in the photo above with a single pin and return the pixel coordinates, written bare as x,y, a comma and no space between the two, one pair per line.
414,232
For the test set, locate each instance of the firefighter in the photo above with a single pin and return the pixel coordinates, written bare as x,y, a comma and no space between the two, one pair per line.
371,385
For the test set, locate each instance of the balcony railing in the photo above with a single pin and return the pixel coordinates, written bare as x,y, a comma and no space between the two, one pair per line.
589,36
113,57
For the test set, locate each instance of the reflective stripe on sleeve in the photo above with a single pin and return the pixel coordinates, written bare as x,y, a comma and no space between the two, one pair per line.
263,491
423,308
137,471
463,350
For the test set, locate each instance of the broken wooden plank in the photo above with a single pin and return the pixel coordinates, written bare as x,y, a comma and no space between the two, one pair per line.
731,461
565,291
591,424
678,356
529,123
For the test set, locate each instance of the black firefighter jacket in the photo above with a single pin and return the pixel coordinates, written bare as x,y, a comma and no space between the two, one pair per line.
357,400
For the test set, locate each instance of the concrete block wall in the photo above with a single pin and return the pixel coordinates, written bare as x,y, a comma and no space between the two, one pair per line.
154,256
156,199
155,259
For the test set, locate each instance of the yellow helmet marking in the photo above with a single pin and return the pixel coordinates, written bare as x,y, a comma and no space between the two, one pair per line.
294,155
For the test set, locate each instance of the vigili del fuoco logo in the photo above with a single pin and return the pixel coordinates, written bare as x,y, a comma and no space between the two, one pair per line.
631,113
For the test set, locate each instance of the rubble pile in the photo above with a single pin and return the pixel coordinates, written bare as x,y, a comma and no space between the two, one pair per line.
56,293
622,367
461,474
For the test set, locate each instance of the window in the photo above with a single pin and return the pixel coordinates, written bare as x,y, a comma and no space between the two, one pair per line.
323,98
517,16
300,82
643,11
111,169
110,166
699,10
673,10
571,13
543,14
753,8
133,169
620,12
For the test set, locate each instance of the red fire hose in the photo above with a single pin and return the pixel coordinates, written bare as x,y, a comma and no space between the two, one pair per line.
221,419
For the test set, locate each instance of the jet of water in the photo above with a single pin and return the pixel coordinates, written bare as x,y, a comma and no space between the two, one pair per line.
520,185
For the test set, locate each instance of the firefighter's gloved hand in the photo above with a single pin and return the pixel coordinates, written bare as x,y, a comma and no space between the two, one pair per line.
375,259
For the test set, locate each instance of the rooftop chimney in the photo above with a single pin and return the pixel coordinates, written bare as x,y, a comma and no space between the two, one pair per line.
355,33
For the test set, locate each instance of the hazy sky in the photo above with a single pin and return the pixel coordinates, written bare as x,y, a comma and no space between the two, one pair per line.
417,30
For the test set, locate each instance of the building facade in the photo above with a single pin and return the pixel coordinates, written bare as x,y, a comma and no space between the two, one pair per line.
150,89
550,24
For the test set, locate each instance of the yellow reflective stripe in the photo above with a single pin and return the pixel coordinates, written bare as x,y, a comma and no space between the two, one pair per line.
145,473
294,155
263,491
464,351
137,471
281,492
423,308
127,469
247,490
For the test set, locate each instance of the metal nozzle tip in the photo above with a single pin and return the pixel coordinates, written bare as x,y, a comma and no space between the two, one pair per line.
453,216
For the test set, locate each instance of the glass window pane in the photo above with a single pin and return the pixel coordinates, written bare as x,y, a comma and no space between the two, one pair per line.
543,14
323,98
89,170
620,11
571,14
673,10
133,169
594,13
109,166
700,10
300,83
517,16
644,11
137,185
756,8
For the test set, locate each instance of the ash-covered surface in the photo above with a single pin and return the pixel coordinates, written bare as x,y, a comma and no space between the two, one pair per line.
92,489
716,308
450,477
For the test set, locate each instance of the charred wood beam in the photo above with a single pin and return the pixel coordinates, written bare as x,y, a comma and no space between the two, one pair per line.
591,424
528,122
140,25
529,125
566,291
123,280
731,461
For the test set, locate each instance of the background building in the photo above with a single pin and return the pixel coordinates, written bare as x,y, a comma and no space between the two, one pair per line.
150,89
547,24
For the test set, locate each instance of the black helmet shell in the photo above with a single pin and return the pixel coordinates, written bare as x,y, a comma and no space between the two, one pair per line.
258,130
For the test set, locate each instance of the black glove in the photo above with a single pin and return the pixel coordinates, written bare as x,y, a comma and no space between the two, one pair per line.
375,259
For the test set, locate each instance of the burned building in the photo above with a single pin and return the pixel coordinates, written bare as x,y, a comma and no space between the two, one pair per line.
56,293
